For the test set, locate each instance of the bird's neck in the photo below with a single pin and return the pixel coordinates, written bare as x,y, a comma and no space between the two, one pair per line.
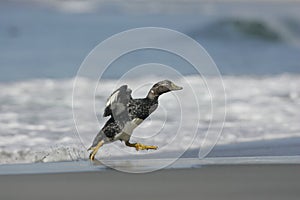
152,95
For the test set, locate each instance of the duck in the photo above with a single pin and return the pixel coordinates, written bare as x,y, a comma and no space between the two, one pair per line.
126,113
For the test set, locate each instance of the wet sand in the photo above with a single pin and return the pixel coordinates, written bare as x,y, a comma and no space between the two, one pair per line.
251,181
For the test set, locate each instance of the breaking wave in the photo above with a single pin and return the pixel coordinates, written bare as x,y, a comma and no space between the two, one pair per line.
269,30
36,121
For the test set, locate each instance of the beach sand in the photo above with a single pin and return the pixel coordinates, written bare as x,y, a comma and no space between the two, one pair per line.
247,181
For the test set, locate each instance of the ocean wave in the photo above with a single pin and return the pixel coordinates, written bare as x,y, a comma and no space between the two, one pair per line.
37,125
266,29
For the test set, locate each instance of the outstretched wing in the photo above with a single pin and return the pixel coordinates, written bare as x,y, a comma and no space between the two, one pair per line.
116,104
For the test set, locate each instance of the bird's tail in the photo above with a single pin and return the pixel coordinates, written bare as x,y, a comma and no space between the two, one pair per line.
97,139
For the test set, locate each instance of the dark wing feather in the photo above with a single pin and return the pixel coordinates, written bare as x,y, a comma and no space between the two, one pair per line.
116,104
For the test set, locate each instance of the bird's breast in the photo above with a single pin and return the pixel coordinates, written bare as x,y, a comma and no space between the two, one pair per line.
131,125
128,129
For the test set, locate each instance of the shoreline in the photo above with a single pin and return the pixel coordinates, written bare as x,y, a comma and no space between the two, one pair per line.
141,165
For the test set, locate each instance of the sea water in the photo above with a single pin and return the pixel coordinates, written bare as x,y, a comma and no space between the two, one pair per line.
256,47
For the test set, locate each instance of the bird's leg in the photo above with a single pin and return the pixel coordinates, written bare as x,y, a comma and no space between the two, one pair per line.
95,150
139,146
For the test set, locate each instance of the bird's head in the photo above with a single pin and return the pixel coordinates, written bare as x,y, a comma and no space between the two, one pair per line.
162,87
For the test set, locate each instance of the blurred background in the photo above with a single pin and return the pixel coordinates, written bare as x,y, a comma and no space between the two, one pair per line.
51,38
255,44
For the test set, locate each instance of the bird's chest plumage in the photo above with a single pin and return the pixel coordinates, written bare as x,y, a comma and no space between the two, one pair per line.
141,108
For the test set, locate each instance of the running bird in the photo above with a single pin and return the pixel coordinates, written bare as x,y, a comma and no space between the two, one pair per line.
126,114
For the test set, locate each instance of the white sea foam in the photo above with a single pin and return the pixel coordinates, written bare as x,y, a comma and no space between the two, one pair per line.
36,120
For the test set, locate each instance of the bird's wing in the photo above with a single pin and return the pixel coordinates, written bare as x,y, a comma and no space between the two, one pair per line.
116,104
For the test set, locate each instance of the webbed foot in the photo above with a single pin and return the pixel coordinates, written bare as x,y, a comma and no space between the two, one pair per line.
95,150
139,146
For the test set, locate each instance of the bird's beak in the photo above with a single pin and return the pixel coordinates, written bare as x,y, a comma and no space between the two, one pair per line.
175,87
